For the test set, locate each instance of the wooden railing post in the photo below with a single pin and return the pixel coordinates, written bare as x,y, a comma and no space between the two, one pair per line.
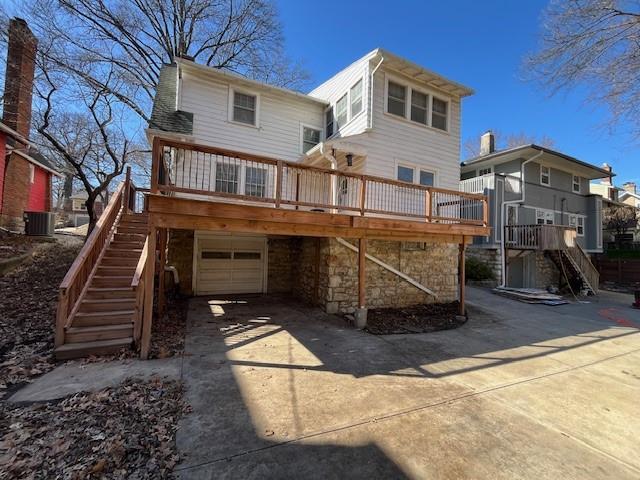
156,158
278,183
427,205
61,316
485,212
363,196
147,311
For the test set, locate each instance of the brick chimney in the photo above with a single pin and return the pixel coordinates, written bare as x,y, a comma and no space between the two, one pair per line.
18,84
487,143
607,180
629,187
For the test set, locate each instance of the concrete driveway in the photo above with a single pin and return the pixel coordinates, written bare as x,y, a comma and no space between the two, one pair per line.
280,390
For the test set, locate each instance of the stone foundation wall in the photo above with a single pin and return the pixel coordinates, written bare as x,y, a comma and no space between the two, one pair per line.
281,260
180,255
490,256
546,271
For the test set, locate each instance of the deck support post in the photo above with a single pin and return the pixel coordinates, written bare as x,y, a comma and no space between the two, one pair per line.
163,259
461,274
149,274
361,313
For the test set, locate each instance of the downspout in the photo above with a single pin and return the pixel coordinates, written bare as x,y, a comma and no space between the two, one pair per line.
373,72
503,215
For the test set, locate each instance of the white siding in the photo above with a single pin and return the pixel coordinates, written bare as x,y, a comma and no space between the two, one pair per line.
280,119
395,140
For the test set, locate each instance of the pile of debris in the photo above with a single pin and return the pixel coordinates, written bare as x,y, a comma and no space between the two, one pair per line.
415,319
531,295
125,432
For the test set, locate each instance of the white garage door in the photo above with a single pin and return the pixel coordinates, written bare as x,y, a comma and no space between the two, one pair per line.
230,264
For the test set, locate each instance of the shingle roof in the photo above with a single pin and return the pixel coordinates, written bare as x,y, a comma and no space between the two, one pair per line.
164,115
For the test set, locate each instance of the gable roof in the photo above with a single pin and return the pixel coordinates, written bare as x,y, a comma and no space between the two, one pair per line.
587,170
626,193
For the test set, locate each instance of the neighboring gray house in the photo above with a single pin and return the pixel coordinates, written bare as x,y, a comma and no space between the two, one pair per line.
540,203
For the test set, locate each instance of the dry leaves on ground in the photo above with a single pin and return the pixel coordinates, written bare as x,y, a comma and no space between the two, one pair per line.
125,432
415,319
27,314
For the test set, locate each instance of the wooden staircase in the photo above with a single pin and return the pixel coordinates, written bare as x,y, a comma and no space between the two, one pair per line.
99,311
577,265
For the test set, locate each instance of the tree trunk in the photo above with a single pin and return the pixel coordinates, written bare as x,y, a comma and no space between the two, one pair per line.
67,191
91,211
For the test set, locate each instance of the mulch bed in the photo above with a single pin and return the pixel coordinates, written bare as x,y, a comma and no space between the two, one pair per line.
125,432
415,319
15,245
27,315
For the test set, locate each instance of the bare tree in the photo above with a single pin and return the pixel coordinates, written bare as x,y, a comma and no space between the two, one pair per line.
596,44
99,63
620,219
471,147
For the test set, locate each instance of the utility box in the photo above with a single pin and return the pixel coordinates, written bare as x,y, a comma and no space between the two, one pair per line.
39,223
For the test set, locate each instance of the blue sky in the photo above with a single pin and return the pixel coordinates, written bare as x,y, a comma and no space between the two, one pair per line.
478,43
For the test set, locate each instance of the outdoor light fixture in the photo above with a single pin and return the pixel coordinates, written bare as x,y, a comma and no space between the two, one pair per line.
349,159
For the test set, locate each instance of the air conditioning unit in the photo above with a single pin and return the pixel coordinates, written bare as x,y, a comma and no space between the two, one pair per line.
39,223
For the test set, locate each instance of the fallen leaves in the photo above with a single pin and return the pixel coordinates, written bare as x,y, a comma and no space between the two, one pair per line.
416,319
125,432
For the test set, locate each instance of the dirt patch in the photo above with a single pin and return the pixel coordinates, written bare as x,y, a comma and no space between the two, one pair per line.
27,315
15,245
415,319
122,432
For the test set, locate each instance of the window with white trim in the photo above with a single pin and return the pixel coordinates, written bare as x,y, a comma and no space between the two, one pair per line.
255,180
227,176
427,178
576,184
310,138
355,98
439,114
245,108
342,112
328,121
544,217
577,222
396,99
485,171
405,174
419,107
545,175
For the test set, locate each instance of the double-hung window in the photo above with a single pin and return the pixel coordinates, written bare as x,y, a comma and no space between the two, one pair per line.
227,176
342,112
545,175
245,108
439,114
577,222
255,180
576,184
419,107
544,217
310,138
328,121
355,95
396,99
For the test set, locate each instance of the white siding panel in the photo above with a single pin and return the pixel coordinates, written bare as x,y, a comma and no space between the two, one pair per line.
280,119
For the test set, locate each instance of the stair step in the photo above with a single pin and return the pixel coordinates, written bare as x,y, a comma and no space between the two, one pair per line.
128,228
89,305
98,332
124,250
111,281
119,261
107,293
83,319
116,270
129,237
83,349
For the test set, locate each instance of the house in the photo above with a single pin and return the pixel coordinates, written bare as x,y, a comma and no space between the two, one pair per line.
629,195
619,218
25,174
346,197
544,219
74,210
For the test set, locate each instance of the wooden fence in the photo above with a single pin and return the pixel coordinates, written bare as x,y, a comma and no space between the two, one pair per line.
624,271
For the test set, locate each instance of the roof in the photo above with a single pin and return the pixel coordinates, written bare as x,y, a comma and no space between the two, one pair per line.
627,193
13,134
522,150
33,156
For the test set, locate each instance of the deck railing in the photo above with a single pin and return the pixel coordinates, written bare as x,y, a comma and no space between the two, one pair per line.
201,172
540,237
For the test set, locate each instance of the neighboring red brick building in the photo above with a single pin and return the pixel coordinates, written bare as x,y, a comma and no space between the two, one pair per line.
25,175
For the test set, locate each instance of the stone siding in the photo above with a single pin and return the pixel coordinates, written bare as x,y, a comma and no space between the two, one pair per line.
490,256
281,260
546,271
180,255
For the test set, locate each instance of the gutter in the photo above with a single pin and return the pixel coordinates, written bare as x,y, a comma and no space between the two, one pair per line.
503,210
388,267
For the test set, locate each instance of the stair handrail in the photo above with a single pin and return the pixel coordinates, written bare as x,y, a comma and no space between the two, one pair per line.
76,280
587,268
137,285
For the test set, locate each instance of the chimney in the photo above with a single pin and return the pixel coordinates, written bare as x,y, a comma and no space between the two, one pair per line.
18,84
629,187
487,143
607,180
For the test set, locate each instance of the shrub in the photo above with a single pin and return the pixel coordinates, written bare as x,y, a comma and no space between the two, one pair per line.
477,270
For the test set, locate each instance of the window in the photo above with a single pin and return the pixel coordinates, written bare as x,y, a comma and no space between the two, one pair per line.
212,255
439,114
255,180
576,184
396,99
419,106
545,175
227,177
328,121
427,178
485,171
544,217
244,108
578,223
356,98
310,138
341,112
405,174
246,255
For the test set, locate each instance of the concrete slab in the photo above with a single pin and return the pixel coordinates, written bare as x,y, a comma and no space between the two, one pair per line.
280,390
74,377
